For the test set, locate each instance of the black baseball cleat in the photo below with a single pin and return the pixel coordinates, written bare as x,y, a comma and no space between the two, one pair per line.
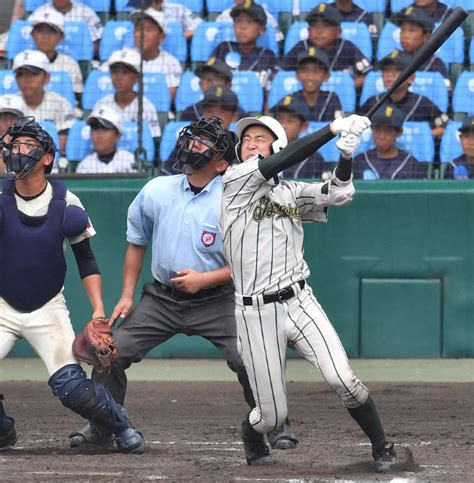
283,437
130,441
256,449
384,457
9,437
91,435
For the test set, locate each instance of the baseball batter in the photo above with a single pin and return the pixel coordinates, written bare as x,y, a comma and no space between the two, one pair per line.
36,217
262,228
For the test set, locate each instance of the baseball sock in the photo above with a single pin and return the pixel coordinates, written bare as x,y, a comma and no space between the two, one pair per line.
249,430
368,419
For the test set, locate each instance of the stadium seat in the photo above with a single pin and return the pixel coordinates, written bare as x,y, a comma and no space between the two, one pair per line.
373,6
373,85
450,144
276,7
463,94
156,90
204,40
8,83
246,85
96,5
19,38
471,53
389,39
267,40
61,83
169,137
51,129
218,6
98,85
121,6
418,140
189,91
31,5
328,151
117,35
297,32
175,41
283,84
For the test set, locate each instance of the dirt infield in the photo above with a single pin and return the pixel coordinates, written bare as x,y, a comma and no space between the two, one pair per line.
192,433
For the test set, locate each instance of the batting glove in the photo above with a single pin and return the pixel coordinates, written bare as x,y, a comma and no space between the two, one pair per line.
353,124
347,144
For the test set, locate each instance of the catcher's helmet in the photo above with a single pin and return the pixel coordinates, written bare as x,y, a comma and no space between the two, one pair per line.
20,164
208,131
280,142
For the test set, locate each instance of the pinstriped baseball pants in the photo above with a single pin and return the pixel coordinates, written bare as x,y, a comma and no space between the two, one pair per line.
265,331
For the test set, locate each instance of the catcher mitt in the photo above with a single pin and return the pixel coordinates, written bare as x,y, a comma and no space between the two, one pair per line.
95,345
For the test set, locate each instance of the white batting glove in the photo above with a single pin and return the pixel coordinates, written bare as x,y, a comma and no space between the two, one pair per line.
352,124
347,144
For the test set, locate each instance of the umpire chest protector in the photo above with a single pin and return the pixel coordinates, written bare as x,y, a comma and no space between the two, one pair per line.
33,267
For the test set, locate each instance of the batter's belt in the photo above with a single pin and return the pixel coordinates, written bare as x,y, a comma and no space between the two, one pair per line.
280,296
202,294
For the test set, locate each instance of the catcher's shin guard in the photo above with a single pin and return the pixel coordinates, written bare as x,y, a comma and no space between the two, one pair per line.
8,435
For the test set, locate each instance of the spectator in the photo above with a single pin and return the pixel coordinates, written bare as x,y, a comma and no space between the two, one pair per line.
386,161
416,27
324,33
75,12
124,66
293,114
48,31
415,107
463,166
436,10
10,110
155,59
31,68
225,16
213,72
249,23
105,133
350,12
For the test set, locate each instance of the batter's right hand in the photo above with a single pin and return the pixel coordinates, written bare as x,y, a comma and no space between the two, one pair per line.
353,124
121,309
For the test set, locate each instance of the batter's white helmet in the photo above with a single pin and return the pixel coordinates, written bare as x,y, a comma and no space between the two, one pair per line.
271,124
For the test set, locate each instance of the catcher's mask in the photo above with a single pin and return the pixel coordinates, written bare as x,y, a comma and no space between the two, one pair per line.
21,157
207,132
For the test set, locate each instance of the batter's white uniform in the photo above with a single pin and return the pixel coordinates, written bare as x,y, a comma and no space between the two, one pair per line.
48,329
261,225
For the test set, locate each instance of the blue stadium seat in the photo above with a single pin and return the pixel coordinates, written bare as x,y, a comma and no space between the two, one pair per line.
175,41
129,139
96,5
61,83
471,51
122,6
51,129
117,35
156,90
297,32
218,6
308,5
204,40
450,144
189,91
8,83
372,5
283,84
418,140
277,6
169,138
31,5
373,85
19,38
267,40
329,151
463,94
98,85
77,41
389,39
246,85
358,34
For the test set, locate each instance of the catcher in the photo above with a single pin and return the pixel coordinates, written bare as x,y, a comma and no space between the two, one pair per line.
36,216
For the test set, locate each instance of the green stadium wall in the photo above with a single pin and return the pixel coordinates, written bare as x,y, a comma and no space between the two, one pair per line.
394,271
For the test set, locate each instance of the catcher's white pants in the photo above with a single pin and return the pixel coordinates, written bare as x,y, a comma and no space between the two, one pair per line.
264,332
48,330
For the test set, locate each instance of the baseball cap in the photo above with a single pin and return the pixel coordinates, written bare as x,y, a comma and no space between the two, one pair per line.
130,57
293,105
314,54
153,14
32,60
106,117
416,15
398,58
388,115
222,96
252,10
467,124
11,104
52,17
215,65
325,12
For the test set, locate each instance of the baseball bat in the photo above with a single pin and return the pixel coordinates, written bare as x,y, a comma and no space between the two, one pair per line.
440,35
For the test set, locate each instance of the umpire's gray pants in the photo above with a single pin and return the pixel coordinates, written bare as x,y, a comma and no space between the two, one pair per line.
160,315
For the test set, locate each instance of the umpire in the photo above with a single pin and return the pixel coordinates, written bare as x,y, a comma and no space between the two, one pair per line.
192,291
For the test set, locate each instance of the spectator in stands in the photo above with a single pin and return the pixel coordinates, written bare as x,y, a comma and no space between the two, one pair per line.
31,68
124,66
249,23
414,107
436,10
463,166
177,12
213,72
105,133
75,12
10,110
386,160
312,69
293,114
155,59
48,31
416,27
324,33
226,17
350,12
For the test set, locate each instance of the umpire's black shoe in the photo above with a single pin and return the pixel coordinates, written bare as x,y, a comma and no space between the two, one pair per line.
283,437
384,456
91,435
256,449
8,436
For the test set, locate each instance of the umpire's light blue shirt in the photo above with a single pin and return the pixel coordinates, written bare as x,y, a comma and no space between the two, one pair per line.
183,227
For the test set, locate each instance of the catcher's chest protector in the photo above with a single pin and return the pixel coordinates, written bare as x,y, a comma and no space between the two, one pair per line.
31,257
